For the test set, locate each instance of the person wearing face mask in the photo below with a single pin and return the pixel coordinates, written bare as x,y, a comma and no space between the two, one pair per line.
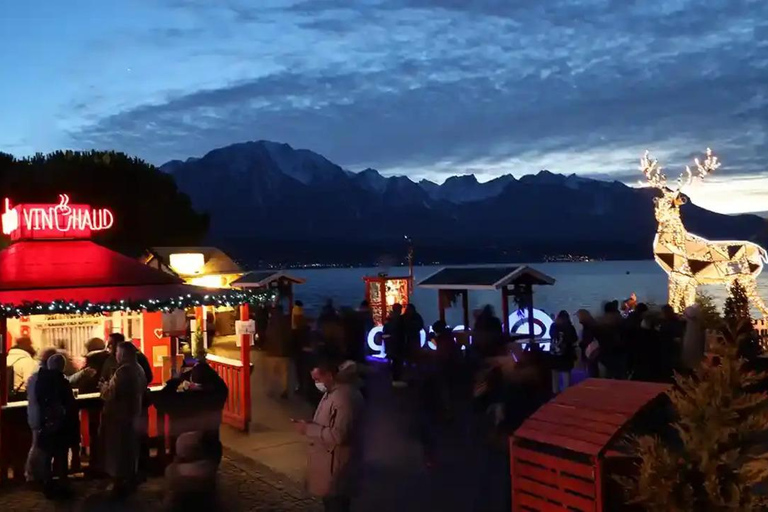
334,438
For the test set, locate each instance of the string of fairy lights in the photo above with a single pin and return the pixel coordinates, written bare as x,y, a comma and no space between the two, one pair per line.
673,239
228,298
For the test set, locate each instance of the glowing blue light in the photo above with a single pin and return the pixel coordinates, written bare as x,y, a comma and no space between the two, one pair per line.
376,344
518,324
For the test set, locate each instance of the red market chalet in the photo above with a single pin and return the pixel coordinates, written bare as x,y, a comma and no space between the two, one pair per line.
59,288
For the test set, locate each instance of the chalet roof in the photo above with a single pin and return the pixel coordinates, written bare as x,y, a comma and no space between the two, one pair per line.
37,265
80,270
586,418
484,278
216,260
260,278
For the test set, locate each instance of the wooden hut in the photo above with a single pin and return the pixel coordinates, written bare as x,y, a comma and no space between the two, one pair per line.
560,455
511,281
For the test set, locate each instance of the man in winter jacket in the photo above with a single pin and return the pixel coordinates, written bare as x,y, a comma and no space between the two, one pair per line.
334,438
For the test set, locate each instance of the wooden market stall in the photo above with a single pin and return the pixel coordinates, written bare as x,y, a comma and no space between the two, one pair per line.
516,282
278,281
563,456
58,288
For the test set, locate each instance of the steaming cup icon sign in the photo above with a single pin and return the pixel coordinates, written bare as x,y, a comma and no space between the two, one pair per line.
63,205
10,219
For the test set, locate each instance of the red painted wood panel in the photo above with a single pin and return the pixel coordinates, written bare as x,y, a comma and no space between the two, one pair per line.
526,456
577,433
563,441
153,325
560,496
523,502
573,421
608,419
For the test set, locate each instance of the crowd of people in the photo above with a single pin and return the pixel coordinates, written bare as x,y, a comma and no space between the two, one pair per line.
498,380
120,373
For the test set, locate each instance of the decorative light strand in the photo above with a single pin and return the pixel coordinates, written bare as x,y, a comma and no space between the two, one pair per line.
227,298
672,240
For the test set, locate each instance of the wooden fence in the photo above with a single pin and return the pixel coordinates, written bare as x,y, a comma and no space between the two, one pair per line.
236,411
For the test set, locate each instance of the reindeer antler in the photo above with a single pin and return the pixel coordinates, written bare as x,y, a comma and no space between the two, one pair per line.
703,169
652,170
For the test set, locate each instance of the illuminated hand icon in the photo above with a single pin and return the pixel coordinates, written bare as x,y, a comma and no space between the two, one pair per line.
10,219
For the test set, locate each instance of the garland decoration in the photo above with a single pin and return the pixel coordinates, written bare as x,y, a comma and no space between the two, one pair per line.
226,298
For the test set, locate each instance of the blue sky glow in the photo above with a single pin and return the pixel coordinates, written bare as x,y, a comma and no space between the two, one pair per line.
427,88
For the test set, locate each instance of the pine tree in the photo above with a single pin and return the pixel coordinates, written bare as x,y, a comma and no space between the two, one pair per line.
708,463
735,310
710,316
736,306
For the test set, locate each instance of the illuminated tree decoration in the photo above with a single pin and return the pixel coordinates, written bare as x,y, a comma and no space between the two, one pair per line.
691,260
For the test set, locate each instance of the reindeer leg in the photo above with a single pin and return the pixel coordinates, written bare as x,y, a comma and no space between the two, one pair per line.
689,293
679,286
750,286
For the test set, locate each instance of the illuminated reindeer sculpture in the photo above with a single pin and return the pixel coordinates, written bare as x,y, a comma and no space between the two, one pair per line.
689,259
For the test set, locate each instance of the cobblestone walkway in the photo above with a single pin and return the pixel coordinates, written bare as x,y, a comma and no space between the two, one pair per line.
244,485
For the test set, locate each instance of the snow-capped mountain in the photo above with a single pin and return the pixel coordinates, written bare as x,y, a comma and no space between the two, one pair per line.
265,197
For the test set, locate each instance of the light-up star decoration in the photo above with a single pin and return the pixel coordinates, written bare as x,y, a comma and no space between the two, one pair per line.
691,260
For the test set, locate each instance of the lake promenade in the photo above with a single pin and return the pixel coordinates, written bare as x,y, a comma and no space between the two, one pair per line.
466,475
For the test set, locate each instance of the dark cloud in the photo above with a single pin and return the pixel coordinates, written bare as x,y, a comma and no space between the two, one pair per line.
571,86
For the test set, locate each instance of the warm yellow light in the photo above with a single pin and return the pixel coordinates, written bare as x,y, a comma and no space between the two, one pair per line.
691,260
209,281
187,264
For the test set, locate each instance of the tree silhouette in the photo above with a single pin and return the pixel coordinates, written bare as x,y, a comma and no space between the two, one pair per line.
736,306
149,209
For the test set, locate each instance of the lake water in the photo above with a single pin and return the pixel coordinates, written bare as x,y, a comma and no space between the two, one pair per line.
579,285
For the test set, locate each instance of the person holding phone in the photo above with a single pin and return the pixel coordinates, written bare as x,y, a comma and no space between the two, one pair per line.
334,438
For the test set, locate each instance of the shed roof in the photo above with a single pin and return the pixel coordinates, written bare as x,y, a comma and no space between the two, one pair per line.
260,278
587,417
484,278
80,270
38,265
216,260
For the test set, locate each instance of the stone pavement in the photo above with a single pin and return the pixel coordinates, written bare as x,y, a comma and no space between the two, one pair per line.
244,485
467,476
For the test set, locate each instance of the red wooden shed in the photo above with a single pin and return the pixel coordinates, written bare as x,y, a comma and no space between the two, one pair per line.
558,455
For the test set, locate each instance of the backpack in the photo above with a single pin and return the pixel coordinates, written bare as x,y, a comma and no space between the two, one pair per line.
14,393
51,403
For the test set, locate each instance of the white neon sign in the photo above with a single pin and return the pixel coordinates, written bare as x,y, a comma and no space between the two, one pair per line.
62,220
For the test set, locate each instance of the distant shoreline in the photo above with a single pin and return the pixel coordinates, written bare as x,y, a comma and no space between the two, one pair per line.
330,266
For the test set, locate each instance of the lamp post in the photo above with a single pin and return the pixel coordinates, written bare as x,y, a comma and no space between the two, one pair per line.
409,241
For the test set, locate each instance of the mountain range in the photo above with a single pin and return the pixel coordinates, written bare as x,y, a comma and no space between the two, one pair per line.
273,204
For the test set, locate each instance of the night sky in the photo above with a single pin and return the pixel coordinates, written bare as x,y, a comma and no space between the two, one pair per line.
427,88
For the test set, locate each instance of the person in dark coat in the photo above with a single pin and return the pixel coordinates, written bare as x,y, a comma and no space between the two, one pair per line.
394,343
354,335
413,324
86,380
588,330
613,350
563,350
366,315
278,348
213,392
59,422
110,365
261,319
488,333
